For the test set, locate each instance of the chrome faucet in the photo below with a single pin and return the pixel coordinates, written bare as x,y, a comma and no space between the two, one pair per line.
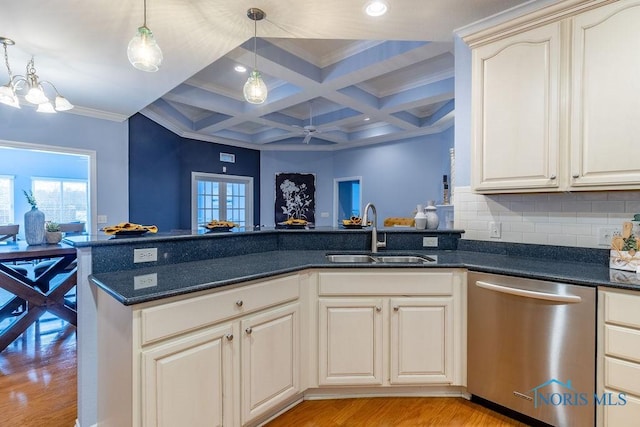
375,244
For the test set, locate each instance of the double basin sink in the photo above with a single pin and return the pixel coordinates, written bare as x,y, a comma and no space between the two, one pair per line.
381,259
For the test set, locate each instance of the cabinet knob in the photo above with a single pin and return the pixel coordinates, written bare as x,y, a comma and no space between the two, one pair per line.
576,175
248,330
239,303
378,308
229,337
396,308
552,177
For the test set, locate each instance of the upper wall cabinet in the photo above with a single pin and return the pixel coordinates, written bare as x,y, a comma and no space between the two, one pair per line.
516,88
556,98
605,97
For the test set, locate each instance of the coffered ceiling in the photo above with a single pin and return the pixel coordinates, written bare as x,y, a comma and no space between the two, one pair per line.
361,80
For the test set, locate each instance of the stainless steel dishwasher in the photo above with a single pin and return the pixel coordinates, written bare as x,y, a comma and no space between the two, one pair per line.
532,347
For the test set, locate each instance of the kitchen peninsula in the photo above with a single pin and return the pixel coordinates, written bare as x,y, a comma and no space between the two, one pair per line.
265,287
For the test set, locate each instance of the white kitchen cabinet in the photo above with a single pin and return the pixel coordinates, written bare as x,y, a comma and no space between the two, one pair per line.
421,344
223,358
516,107
555,100
619,357
350,334
188,381
270,353
392,327
605,97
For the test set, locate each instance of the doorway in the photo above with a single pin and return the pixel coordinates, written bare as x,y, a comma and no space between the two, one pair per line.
347,198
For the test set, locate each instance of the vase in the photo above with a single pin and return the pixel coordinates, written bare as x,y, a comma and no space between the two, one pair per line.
432,216
420,218
34,227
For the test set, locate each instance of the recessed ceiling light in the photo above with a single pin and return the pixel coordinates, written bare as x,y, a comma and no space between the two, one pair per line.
240,69
376,8
366,119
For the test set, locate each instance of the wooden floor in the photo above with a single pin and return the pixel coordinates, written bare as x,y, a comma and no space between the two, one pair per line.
38,376
391,412
38,388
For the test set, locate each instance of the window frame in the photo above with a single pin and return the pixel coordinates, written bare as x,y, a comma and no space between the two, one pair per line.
11,205
221,178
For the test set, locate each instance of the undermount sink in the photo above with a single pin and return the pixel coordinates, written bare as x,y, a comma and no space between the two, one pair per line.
347,258
369,259
406,259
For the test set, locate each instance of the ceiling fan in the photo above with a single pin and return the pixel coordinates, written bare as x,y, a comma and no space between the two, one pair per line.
309,131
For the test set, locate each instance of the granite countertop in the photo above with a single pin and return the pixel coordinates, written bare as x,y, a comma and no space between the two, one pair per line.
188,277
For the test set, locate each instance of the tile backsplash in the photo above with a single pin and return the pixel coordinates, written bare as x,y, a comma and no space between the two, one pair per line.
564,219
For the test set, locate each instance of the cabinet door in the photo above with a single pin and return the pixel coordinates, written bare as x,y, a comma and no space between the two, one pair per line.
516,107
270,360
421,340
606,97
350,347
188,380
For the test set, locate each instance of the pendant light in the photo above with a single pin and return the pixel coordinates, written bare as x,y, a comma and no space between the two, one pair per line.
143,51
255,91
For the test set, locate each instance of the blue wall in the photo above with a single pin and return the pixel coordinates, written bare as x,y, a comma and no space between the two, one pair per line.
106,139
160,166
396,176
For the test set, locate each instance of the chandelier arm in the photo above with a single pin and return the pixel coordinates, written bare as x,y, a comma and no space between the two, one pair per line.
6,61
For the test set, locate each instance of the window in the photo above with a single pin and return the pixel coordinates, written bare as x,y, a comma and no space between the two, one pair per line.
61,200
221,197
6,199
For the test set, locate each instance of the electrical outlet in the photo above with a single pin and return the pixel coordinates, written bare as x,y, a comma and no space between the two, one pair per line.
495,229
429,242
145,255
605,234
102,219
324,214
145,281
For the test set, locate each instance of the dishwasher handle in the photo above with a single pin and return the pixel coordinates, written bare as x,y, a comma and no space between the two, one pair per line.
529,294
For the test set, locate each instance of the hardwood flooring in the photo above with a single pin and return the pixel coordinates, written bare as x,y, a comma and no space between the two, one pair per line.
391,412
38,388
38,376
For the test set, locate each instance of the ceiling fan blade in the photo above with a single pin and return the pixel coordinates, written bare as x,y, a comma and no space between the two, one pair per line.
306,139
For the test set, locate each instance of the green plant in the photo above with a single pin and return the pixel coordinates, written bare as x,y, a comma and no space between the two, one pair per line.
30,198
52,226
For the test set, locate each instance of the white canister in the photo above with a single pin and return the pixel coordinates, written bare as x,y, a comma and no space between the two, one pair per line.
420,218
432,217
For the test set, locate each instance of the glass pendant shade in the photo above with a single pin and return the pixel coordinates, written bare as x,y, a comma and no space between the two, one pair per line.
36,95
63,104
8,96
143,51
255,91
45,108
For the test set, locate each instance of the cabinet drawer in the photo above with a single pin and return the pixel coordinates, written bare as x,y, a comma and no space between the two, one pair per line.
626,415
386,283
182,316
622,309
622,342
622,375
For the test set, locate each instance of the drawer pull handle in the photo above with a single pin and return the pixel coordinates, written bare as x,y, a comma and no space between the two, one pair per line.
239,303
229,337
576,175
378,308
396,308
552,177
248,330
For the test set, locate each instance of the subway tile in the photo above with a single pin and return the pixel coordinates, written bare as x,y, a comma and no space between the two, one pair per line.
562,240
522,206
535,238
623,195
609,207
548,207
592,218
618,218
576,229
477,225
510,217
576,206
591,195
587,242
632,206
528,227
510,236
535,217
563,217
549,228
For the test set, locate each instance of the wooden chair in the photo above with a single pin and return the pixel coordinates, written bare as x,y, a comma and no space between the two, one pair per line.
9,232
405,222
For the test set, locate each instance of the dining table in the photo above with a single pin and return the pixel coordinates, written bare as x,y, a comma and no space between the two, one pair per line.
38,277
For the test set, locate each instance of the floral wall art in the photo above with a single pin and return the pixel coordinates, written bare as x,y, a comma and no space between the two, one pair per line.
295,197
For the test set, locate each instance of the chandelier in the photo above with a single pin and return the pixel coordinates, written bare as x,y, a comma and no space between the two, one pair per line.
32,85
